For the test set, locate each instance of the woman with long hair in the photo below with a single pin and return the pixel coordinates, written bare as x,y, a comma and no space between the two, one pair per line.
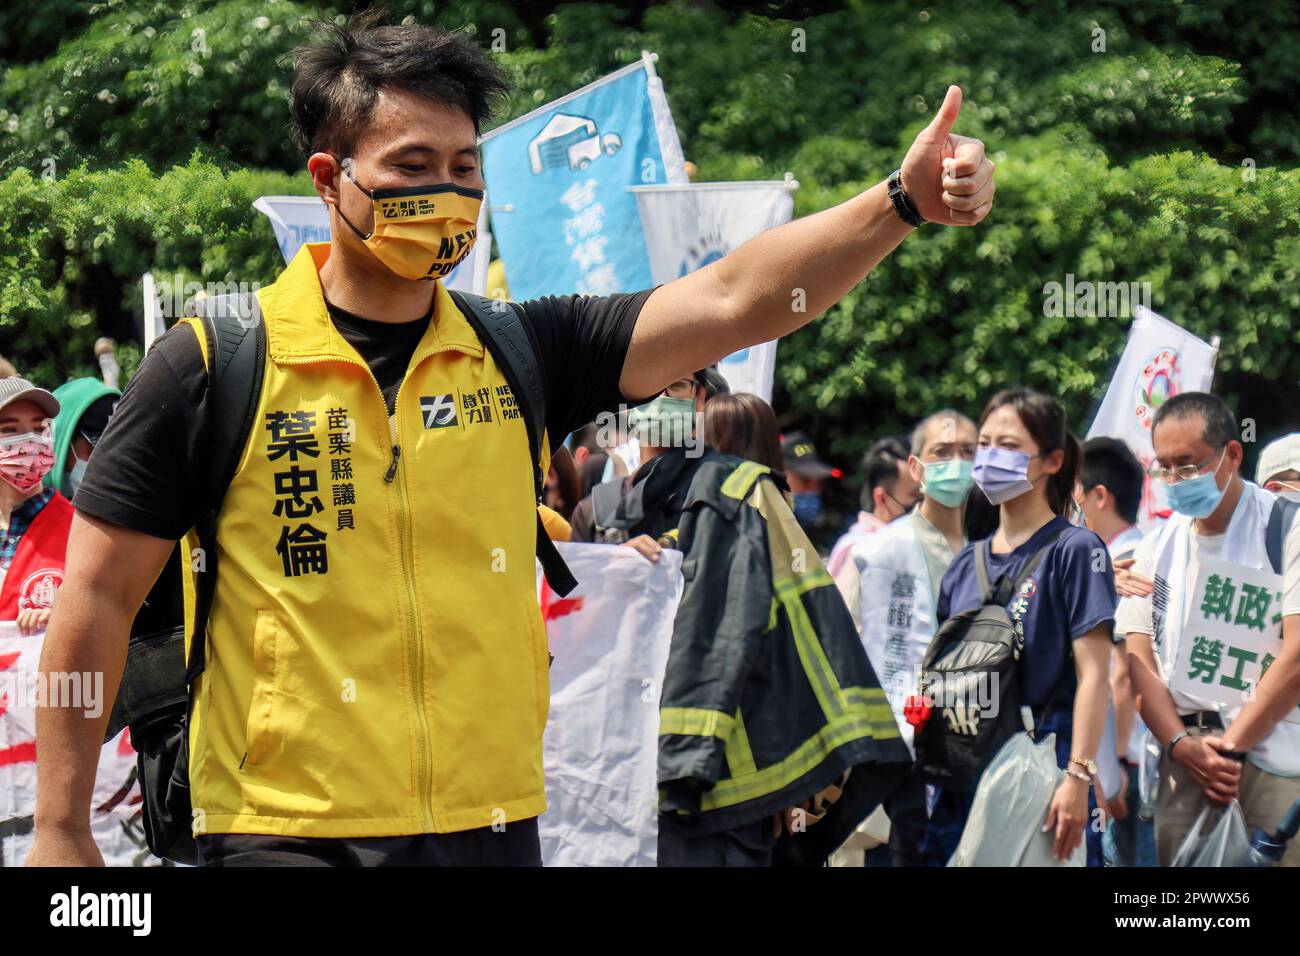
744,425
1026,465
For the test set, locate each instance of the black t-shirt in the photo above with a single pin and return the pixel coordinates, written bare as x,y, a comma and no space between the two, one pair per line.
152,460
387,347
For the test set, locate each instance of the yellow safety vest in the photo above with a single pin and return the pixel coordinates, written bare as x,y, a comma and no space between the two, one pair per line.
376,661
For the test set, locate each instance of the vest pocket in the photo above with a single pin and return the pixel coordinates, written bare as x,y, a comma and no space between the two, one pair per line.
257,736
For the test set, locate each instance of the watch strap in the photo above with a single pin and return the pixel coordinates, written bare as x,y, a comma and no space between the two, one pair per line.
901,201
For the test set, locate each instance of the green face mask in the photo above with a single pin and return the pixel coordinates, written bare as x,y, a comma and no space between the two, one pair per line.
948,482
663,423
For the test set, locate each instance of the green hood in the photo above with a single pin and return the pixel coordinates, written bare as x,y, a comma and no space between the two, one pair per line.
74,398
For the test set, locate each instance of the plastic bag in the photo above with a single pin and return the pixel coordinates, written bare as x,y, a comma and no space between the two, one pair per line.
1149,776
1218,838
1005,826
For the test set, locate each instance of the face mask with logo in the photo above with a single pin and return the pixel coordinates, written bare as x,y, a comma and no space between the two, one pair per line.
947,482
807,507
421,232
1196,497
665,422
26,459
1001,473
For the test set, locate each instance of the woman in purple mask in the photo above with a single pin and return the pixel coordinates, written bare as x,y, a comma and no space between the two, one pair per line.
1026,465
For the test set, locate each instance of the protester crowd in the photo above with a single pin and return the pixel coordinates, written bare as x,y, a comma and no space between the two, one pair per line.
367,454
1141,762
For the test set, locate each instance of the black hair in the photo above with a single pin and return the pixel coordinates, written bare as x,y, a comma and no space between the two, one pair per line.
338,75
1109,462
880,469
1044,419
1220,425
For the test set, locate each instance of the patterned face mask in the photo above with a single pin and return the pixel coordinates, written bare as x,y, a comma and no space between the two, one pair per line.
26,459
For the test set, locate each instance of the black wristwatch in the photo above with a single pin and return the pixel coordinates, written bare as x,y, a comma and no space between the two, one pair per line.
902,203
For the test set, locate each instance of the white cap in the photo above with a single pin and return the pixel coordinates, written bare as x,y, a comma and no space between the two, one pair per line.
1277,457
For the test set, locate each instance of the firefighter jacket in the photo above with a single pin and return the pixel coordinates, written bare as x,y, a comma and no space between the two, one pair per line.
769,697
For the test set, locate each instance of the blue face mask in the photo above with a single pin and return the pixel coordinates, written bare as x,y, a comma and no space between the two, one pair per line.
807,506
76,474
1001,473
1197,497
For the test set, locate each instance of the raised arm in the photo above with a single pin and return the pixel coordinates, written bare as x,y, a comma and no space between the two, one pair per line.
109,572
786,277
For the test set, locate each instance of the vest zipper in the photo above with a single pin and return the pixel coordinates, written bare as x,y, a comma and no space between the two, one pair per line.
406,546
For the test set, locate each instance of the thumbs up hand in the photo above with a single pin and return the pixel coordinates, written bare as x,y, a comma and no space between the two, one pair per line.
947,177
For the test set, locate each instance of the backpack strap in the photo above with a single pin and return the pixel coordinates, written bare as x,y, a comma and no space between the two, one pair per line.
236,339
503,330
1280,519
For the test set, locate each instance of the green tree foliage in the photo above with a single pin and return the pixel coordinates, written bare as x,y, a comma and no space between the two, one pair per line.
1138,141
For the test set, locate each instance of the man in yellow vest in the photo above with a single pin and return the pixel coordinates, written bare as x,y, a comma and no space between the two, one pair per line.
376,682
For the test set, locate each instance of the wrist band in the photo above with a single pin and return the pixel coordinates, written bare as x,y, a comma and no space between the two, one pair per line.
902,204
1169,747
1079,775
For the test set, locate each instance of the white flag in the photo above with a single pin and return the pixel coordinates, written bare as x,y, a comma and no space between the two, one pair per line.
610,638
688,226
1160,360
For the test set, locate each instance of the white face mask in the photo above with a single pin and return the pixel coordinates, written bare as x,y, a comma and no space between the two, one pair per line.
1289,492
76,475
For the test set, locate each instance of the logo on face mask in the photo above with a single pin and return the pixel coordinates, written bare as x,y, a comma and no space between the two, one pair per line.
421,232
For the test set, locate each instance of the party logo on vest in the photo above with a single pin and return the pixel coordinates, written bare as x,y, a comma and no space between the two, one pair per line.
37,592
439,410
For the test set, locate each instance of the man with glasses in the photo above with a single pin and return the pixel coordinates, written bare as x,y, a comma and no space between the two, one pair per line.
899,569
1212,751
663,443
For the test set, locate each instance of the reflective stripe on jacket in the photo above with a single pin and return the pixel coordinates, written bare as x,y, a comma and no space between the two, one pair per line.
769,697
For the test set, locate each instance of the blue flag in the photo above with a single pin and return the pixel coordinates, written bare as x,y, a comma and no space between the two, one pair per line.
558,179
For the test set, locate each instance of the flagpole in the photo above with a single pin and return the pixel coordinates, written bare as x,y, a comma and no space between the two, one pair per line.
1214,358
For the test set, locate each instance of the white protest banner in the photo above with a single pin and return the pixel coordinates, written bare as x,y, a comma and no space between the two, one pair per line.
691,225
1160,360
302,219
610,638
1232,636
115,811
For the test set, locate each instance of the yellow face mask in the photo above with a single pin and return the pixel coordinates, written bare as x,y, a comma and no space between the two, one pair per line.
421,232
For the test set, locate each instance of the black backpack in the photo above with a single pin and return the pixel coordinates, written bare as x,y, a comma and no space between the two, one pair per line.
979,646
154,696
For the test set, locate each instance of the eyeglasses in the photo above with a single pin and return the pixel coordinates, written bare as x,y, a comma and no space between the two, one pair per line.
1180,472
951,450
682,388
